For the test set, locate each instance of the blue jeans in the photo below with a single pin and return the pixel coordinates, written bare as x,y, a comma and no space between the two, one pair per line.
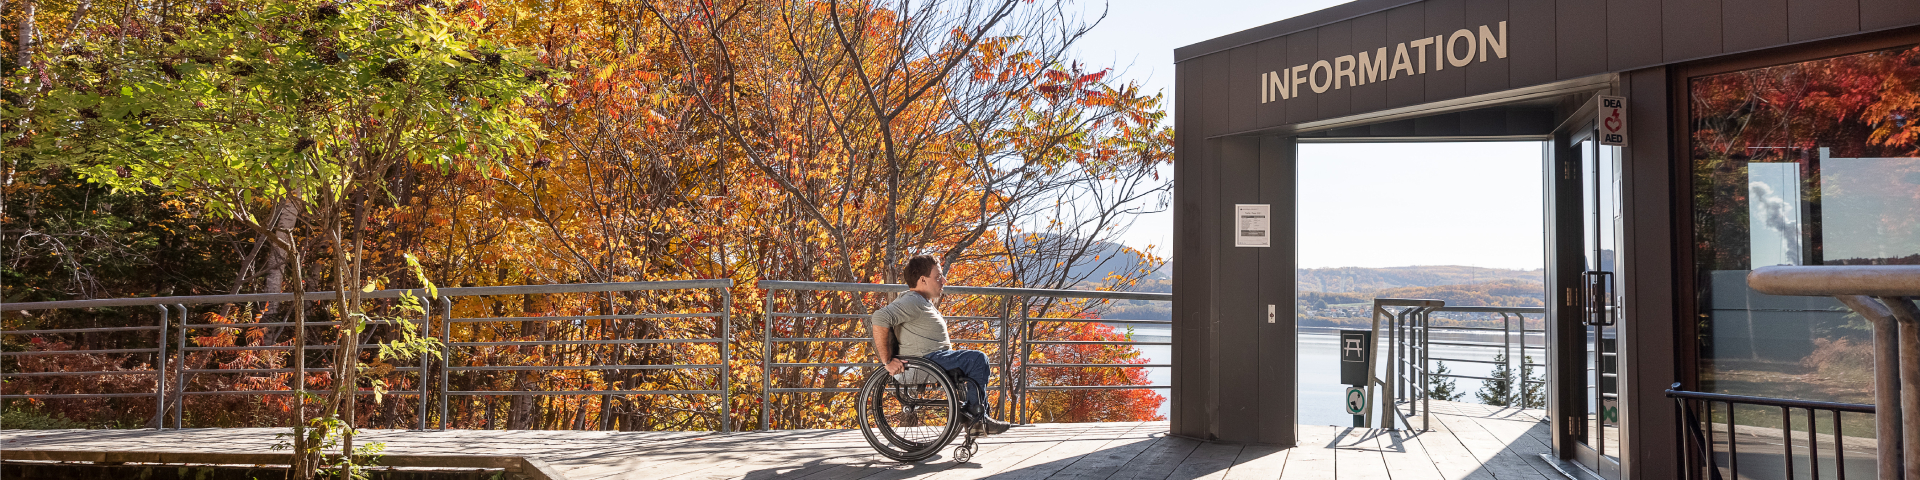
971,363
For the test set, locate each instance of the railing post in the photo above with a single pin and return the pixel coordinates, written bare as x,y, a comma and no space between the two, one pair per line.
446,355
726,363
766,362
180,374
426,331
1908,317
1006,355
1887,389
1813,444
1026,358
160,372
1506,347
1426,357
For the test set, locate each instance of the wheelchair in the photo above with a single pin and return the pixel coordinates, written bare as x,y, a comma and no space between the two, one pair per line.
910,416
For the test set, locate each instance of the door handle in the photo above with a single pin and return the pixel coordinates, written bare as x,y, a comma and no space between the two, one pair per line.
1598,287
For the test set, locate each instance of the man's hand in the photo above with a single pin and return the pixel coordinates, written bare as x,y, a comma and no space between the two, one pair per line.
895,366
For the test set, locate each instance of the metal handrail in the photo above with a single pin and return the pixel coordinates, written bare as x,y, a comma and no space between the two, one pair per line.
722,339
159,364
1694,441
1013,381
172,373
1411,363
424,372
1884,295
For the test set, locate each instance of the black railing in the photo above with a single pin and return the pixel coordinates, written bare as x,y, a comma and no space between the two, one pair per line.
1696,432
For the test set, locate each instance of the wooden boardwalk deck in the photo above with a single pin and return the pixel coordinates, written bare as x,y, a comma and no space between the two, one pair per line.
1467,442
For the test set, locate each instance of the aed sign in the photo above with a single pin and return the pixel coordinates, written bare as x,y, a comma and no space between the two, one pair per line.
1612,121
1459,49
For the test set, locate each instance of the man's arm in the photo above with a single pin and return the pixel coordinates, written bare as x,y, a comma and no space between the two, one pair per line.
881,341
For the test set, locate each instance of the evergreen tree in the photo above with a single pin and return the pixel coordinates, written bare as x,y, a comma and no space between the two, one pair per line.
1440,386
1535,394
1499,389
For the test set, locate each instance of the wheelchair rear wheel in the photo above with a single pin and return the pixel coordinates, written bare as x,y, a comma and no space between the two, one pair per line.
910,416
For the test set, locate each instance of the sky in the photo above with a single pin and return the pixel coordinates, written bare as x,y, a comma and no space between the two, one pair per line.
1381,187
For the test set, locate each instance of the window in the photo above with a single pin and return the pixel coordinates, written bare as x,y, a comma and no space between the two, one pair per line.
1810,163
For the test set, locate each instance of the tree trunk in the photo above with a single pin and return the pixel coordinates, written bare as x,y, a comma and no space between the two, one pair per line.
284,215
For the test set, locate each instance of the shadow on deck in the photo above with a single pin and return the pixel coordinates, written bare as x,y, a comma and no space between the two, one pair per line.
1468,441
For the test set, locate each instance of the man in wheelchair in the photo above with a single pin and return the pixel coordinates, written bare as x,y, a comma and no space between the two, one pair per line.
914,322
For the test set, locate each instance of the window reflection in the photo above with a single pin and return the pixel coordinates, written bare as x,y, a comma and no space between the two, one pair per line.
1811,163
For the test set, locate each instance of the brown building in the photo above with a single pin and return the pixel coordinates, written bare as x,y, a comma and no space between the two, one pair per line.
1754,133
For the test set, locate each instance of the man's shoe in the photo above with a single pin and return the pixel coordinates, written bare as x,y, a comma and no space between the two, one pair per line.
994,427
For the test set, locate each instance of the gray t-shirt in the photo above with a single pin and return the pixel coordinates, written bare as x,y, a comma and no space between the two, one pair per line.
916,323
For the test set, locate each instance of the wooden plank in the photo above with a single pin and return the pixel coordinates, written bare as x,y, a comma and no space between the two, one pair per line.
1450,456
1406,458
1358,457
1048,462
1494,454
792,455
1313,459
1020,447
1108,460
881,468
667,461
1159,460
1259,462
1209,461
1521,441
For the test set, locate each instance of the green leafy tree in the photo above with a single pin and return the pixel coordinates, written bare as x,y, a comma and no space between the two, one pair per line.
246,107
1440,386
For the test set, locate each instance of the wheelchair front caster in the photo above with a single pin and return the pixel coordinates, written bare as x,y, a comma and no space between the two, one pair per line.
964,452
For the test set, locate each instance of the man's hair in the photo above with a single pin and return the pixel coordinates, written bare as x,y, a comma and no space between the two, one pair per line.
919,266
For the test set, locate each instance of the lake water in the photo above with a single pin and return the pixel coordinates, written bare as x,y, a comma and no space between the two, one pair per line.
1321,393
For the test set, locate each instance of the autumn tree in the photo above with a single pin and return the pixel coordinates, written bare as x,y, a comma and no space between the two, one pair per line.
250,106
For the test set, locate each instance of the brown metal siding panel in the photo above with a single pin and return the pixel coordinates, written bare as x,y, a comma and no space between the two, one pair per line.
1580,34
1406,24
1652,362
1444,81
1192,295
1751,24
1491,75
1689,29
1811,19
1633,33
1369,34
1236,293
1303,49
1242,94
1272,57
1335,40
1279,341
1879,14
1531,38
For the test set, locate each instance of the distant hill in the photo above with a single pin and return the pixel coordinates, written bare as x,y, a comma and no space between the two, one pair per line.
1101,260
1457,285
1360,280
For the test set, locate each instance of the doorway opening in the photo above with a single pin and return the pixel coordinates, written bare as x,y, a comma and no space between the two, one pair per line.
1462,222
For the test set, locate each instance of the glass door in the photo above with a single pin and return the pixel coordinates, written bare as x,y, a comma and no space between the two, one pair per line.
1596,443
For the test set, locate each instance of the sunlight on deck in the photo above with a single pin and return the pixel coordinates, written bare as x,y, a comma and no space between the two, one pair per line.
1468,441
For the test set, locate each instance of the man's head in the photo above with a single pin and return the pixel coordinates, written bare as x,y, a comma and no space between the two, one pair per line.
924,274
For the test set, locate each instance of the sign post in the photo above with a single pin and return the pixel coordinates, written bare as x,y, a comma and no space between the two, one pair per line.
1356,371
